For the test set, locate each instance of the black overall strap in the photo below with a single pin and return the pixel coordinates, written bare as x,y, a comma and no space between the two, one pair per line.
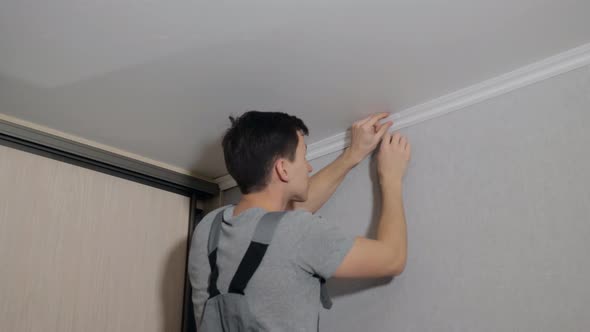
325,298
263,234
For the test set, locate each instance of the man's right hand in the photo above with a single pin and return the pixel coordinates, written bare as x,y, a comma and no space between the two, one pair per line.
392,160
387,254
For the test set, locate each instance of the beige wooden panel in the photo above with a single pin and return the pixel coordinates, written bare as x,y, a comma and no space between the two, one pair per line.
85,251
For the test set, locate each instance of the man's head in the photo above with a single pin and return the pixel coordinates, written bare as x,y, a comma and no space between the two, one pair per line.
265,147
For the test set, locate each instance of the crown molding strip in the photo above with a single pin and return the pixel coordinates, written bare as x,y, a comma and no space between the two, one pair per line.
524,76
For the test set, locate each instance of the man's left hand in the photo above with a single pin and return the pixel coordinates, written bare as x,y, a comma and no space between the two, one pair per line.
366,135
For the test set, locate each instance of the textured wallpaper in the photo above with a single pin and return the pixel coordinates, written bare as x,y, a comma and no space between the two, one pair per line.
498,209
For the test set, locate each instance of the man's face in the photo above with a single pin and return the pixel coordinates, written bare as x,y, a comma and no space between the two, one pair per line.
300,171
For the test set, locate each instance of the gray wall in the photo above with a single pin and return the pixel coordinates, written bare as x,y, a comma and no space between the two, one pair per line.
498,209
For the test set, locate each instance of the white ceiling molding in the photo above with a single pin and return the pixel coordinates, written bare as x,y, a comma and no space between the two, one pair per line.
225,182
527,75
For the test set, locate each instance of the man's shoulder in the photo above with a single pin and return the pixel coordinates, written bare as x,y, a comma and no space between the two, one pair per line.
300,215
212,214
299,221
205,223
291,219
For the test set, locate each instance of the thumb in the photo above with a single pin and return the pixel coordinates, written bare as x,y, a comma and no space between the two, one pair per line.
383,129
385,140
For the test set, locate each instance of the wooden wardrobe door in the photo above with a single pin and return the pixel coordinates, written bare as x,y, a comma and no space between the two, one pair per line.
85,251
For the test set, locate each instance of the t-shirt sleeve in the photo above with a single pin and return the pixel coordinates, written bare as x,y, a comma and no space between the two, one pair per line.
321,247
198,268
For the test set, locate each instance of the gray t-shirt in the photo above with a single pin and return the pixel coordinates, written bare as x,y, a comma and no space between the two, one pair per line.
283,294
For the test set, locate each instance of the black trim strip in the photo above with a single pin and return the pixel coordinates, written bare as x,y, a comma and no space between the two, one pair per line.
188,316
55,147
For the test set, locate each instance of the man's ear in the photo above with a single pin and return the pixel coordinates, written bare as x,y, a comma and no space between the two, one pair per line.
281,170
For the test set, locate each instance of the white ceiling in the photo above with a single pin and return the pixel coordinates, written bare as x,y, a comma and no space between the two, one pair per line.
160,78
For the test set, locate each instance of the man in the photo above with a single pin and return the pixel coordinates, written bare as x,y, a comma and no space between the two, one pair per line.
266,154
